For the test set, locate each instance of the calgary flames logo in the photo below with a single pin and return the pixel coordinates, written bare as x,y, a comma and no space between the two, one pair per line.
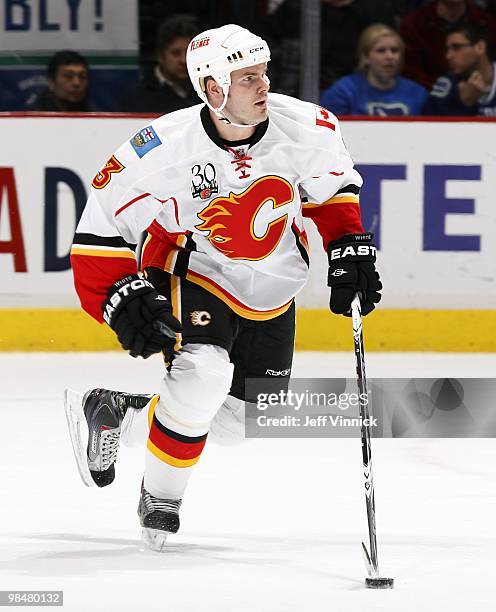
230,222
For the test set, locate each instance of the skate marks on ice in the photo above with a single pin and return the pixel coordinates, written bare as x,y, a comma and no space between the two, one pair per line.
59,554
64,554
442,573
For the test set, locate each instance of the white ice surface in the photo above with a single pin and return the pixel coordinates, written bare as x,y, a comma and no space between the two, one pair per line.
271,525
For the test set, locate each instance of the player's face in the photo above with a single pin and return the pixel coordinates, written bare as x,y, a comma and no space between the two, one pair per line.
172,61
385,57
70,82
247,100
460,53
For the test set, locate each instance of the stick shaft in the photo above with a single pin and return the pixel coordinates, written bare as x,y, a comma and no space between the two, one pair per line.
365,431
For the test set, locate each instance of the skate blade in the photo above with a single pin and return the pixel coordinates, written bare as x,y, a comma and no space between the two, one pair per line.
78,430
154,538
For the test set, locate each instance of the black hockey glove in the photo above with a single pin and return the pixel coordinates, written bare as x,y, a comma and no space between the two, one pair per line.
352,270
141,317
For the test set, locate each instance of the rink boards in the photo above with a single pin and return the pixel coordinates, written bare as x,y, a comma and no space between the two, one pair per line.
428,198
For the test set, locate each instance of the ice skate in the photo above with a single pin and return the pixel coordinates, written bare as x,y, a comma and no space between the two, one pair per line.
94,422
159,518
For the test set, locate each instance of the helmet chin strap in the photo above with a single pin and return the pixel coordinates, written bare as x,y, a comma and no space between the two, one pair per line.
221,116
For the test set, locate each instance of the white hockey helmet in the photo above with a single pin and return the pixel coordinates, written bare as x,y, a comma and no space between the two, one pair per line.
218,52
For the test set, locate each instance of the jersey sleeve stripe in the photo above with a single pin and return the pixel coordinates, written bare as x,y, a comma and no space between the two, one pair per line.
81,239
102,252
130,203
343,199
348,189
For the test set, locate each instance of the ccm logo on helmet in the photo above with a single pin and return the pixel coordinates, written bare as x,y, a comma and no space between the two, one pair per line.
255,49
361,250
195,44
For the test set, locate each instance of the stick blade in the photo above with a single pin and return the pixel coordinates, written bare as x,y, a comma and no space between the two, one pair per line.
379,583
368,563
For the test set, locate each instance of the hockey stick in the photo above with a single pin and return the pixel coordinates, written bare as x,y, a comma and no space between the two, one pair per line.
371,561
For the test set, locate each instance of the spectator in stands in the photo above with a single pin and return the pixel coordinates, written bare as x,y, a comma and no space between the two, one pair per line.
377,88
470,87
342,21
424,32
68,83
167,87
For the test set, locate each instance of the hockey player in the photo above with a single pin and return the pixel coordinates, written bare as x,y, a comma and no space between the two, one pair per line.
221,190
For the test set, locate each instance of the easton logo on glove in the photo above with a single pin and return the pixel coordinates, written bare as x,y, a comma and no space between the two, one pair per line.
338,272
141,317
365,250
351,271
123,291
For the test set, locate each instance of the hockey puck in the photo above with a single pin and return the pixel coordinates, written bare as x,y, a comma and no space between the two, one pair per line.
379,583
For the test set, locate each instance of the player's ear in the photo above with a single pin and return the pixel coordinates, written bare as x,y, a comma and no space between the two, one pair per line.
212,87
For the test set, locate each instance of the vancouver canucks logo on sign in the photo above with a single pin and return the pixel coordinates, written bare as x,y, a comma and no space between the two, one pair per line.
385,109
145,140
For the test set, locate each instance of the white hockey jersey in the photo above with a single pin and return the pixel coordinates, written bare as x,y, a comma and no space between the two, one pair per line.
226,216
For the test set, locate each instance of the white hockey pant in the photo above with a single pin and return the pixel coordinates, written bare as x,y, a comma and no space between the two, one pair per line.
190,396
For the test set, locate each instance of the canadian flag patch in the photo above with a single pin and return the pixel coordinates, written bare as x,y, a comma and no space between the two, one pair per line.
323,118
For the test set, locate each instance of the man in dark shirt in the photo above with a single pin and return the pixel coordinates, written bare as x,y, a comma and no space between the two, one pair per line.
68,82
166,87
424,32
470,86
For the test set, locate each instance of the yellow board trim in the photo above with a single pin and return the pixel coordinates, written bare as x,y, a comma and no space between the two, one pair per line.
460,331
53,329
180,463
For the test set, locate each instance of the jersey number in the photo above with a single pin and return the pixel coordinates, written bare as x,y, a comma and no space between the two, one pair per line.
102,179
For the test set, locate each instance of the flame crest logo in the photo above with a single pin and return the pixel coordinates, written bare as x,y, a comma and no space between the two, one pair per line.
230,221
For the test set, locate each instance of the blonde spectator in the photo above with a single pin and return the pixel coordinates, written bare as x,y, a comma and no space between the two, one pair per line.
376,88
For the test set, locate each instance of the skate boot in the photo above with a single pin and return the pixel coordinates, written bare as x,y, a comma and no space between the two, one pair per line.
159,518
94,425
